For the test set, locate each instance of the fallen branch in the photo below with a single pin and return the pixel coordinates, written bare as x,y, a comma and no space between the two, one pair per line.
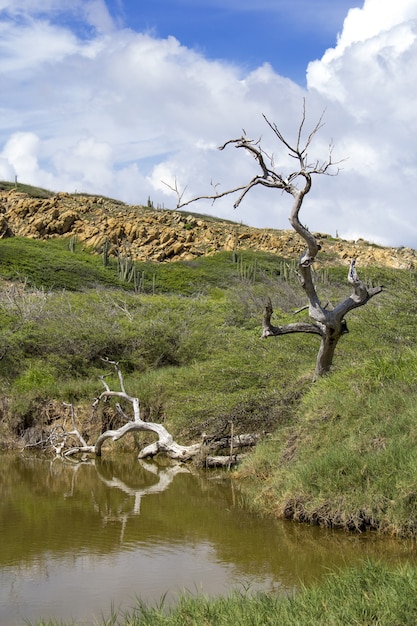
222,461
62,441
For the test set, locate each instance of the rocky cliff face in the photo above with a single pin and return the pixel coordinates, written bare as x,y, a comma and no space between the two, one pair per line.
148,234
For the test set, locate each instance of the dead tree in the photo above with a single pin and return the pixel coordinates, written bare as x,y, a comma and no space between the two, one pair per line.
69,443
328,324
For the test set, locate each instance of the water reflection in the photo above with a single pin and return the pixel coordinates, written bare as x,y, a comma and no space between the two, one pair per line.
78,538
164,476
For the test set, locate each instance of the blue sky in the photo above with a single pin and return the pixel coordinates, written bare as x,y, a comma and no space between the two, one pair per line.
129,98
288,35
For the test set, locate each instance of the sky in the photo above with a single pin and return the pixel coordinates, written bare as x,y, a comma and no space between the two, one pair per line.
128,99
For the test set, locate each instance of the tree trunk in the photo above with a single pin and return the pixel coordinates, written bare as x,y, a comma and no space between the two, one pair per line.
325,355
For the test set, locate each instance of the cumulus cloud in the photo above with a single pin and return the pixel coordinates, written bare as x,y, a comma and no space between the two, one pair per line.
118,112
20,153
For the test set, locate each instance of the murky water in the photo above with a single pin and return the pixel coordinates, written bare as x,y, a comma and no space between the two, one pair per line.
77,540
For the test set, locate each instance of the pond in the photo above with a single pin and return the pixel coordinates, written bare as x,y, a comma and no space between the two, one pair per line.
79,540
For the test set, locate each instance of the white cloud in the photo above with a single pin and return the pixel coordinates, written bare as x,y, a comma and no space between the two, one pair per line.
118,112
376,17
23,48
21,153
351,73
88,161
97,14
7,171
20,159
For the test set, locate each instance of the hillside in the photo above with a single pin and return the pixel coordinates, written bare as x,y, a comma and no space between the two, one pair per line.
341,452
149,234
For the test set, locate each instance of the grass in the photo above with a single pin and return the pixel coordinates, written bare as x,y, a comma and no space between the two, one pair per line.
370,594
30,190
349,457
51,265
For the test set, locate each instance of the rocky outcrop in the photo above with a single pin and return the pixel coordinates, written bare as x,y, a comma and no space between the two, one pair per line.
149,234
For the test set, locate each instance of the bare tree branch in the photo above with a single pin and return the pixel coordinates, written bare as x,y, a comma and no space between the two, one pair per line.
268,330
175,188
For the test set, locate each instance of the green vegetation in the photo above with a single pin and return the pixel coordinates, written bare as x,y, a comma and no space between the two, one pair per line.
348,458
47,264
52,265
340,452
30,190
371,594
199,331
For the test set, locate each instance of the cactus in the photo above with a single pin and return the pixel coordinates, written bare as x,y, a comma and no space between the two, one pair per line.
235,255
106,248
72,243
247,271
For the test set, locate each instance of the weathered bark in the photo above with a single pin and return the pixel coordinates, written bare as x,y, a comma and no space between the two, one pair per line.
331,322
268,330
329,341
330,325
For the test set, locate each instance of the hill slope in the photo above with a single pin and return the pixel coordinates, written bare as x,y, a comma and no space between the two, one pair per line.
149,234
